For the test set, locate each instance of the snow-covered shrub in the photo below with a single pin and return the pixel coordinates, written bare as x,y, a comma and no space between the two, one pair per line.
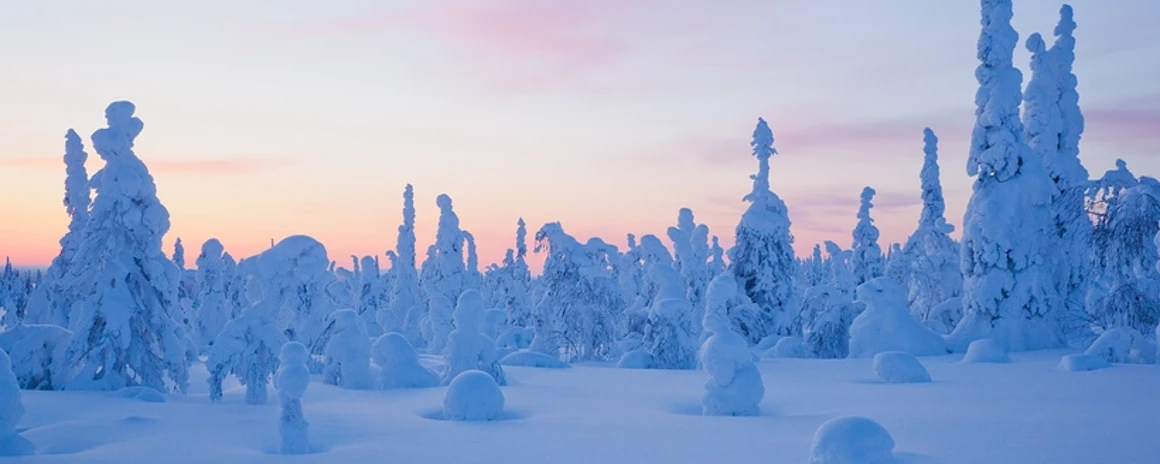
935,275
291,381
985,350
1120,345
636,359
37,352
899,367
210,305
787,347
734,387
473,396
826,317
493,323
247,347
768,342
852,440
867,260
442,276
886,325
533,359
943,317
144,394
399,364
11,410
668,333
574,315
515,338
295,275
467,347
348,351
1082,362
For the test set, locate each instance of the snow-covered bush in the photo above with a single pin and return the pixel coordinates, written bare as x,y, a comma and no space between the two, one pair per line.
636,359
691,250
788,347
734,387
1082,362
852,440
493,323
533,359
762,258
473,396
38,354
580,291
515,338
11,410
295,274
399,364
668,334
467,347
247,347
1121,345
210,306
943,317
348,351
291,381
985,350
886,325
443,276
826,317
899,367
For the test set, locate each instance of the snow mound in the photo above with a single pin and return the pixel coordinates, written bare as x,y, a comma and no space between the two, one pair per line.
986,350
533,359
1121,345
1082,362
886,324
399,364
768,342
788,347
11,410
852,440
515,338
636,359
145,394
473,396
899,367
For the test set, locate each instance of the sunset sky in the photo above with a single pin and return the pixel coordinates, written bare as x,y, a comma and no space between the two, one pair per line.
270,118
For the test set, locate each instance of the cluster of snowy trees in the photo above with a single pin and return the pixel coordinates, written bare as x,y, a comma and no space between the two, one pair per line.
1047,257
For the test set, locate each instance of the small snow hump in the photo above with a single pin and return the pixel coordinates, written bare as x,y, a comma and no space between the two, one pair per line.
985,350
473,396
1082,362
852,440
899,367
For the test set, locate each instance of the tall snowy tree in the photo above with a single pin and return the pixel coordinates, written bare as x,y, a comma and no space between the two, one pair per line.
762,257
295,274
1009,234
52,300
211,306
691,247
472,278
935,274
573,317
443,276
406,302
867,260
717,258
125,331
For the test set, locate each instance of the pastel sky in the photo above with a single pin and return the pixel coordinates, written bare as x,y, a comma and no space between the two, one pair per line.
270,118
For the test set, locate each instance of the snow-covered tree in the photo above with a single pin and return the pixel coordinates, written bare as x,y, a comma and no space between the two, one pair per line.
838,269
348,351
179,254
1009,234
291,381
372,297
399,364
935,273
472,278
897,265
867,259
443,276
406,303
691,247
573,316
1127,293
247,347
38,353
826,317
735,387
669,335
52,300
762,257
11,410
125,330
717,258
211,306
467,347
295,274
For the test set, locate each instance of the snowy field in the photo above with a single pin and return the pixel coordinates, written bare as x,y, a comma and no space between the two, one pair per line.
1023,412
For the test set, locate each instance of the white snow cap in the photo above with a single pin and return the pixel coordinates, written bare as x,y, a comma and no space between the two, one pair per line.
473,396
986,350
899,367
852,440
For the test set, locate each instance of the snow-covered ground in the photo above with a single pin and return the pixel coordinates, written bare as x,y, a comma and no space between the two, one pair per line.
1023,412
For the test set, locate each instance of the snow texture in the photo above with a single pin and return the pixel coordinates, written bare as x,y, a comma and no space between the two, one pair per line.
886,325
762,258
533,359
291,381
398,364
473,396
11,410
348,351
734,387
467,347
144,394
636,359
985,350
899,367
1082,362
852,440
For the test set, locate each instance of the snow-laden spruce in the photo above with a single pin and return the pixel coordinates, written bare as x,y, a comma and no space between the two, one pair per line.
398,364
406,303
898,265
210,305
348,351
125,329
467,347
691,247
1009,235
443,276
935,275
734,387
838,269
826,317
291,381
473,396
247,347
507,286
886,325
472,278
295,275
867,260
1125,291
762,258
38,353
573,316
852,440
11,410
51,302
372,298
668,334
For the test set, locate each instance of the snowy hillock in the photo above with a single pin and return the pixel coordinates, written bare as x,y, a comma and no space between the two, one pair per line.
528,358
398,364
886,325
899,367
473,396
985,350
1082,362
787,347
852,440
1122,345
